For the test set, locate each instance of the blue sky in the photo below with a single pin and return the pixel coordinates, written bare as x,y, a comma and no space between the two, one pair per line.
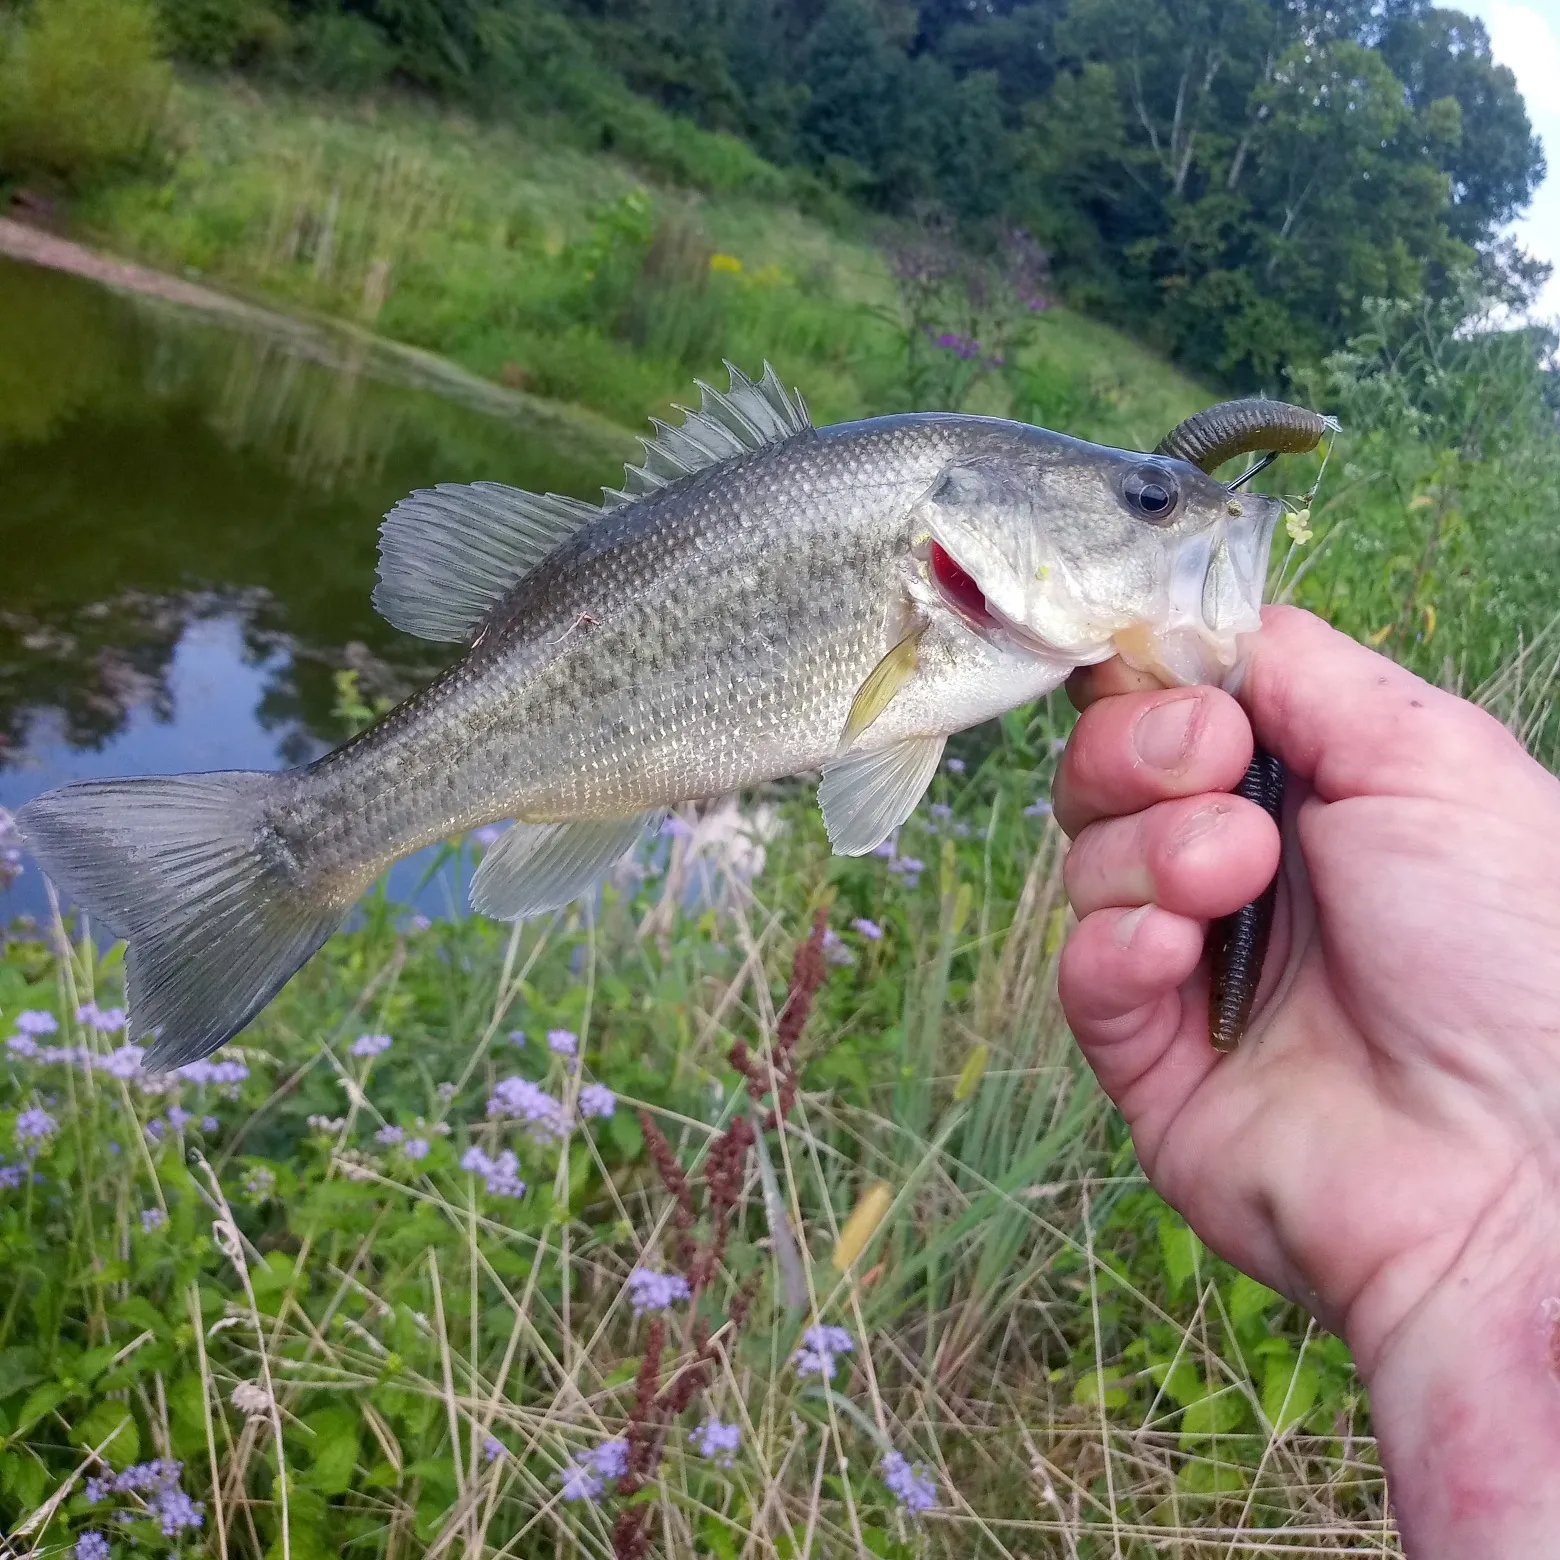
1525,35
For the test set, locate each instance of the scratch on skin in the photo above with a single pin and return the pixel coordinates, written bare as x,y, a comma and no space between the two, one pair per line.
579,622
1551,1309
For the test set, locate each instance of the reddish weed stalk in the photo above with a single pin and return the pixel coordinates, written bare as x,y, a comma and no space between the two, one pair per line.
655,1406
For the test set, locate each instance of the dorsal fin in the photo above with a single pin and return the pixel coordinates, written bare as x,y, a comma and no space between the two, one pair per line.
744,417
447,554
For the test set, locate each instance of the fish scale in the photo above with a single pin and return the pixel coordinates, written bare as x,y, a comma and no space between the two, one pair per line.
762,599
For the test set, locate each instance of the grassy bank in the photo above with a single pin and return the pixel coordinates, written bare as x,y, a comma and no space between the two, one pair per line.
570,274
292,1245
313,1277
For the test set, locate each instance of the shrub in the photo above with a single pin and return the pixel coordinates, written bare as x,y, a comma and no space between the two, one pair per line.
82,87
222,33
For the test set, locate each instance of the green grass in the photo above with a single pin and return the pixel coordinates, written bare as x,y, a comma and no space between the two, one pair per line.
1078,1375
1073,1369
526,259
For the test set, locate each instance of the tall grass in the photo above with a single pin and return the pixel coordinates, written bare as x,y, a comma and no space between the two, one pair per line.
357,1344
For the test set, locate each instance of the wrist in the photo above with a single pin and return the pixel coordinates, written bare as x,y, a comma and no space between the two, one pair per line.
1465,1392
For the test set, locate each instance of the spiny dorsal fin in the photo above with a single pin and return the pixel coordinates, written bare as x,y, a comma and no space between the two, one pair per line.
447,554
744,417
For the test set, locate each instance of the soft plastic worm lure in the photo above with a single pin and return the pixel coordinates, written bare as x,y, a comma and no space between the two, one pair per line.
1237,944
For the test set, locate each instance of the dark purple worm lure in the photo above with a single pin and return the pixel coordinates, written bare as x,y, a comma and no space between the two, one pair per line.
1237,944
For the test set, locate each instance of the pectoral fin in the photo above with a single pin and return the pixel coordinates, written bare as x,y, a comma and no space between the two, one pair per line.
866,796
537,867
883,682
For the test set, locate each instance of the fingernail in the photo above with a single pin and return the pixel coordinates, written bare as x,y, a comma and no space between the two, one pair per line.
1126,925
1164,733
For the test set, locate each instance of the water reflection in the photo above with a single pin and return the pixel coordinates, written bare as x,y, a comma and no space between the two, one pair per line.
188,514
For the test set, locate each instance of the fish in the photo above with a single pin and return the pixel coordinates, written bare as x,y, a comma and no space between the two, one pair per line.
762,598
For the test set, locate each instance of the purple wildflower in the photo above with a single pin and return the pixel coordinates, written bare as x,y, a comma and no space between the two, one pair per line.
207,1071
584,1478
820,1349
519,1097
419,923
210,1124
124,1061
887,849
562,1042
677,828
488,835
834,949
649,1290
955,766
152,1219
1039,808
517,1037
33,1128
716,1441
502,1174
389,1135
941,811
106,1021
492,1449
610,1459
157,1129
913,1487
370,1045
596,1099
179,1118
177,1511
868,928
23,1046
12,1176
415,1148
581,1482
35,1021
260,1182
91,1545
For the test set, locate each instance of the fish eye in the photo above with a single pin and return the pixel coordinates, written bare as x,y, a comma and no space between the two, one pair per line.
1153,492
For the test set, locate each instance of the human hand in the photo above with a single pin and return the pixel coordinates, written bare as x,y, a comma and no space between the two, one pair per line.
1384,1146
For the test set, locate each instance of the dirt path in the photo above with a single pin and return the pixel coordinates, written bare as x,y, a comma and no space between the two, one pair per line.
18,241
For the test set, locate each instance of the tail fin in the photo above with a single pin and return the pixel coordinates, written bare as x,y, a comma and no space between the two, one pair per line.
188,870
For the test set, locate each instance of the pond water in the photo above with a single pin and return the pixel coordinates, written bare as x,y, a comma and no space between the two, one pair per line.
189,508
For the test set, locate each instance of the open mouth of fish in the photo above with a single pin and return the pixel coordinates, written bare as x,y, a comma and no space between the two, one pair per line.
1215,592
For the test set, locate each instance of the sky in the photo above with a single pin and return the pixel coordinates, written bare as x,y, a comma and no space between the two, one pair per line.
1525,35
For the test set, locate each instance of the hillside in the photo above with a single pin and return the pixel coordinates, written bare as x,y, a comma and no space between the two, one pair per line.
576,276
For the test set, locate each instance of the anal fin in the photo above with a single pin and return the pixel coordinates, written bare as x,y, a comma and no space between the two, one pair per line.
537,867
866,796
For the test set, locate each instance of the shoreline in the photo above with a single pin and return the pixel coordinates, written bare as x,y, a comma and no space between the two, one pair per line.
353,349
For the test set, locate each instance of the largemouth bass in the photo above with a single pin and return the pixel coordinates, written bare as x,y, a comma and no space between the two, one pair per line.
762,598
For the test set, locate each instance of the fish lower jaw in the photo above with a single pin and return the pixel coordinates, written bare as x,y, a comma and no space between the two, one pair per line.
1178,657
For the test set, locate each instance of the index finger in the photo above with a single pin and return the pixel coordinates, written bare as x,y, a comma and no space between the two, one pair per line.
1352,722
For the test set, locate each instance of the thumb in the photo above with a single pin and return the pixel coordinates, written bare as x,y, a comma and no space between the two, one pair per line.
1351,722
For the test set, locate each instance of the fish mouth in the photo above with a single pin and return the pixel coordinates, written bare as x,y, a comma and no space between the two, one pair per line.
959,590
